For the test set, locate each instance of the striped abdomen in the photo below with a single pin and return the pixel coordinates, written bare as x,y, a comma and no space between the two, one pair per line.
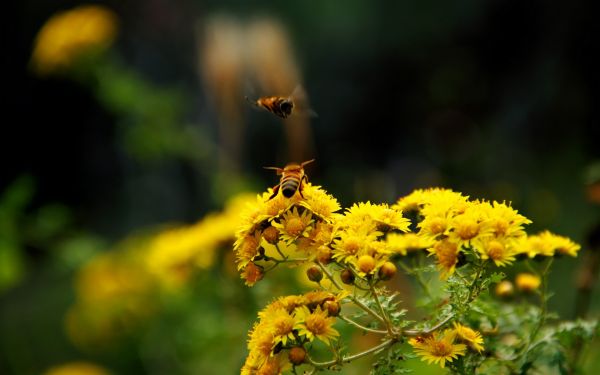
289,185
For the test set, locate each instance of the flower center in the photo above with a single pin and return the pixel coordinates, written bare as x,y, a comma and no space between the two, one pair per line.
294,226
441,349
446,253
468,229
351,246
283,325
438,225
316,324
495,250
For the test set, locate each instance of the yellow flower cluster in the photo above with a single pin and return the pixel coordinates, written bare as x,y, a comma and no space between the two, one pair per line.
69,34
446,346
302,224
117,290
491,230
285,326
367,236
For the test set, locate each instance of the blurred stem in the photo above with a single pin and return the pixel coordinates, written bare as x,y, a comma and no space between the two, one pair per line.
358,325
414,332
473,286
388,324
543,305
418,277
366,308
350,358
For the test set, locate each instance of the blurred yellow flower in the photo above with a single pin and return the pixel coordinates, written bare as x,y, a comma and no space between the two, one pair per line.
77,368
68,35
527,282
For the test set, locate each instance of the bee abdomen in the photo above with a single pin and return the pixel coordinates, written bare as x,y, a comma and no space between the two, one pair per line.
289,187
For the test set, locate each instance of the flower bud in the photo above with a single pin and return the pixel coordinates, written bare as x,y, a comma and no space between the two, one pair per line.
324,254
271,235
387,271
333,308
366,263
347,277
314,273
297,355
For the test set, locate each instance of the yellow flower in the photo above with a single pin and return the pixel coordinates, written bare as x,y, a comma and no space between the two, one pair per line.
294,225
77,368
470,225
405,243
438,348
505,221
470,336
68,35
434,226
446,253
349,244
316,324
246,248
252,274
281,324
527,282
496,249
504,289
319,202
260,344
547,244
387,218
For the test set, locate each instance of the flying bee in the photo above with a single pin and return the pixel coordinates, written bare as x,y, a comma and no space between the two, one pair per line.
292,178
285,106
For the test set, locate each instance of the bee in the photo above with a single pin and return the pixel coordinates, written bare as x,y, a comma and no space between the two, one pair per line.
285,106
292,178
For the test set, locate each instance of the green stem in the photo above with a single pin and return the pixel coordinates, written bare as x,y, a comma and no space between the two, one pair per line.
388,324
366,308
353,357
358,325
414,332
474,285
417,276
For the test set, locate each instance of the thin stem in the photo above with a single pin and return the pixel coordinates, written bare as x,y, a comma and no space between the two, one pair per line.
543,299
358,325
388,324
279,251
417,276
354,299
415,332
480,269
351,358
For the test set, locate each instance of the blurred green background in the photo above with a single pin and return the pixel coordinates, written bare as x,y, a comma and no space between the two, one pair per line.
491,98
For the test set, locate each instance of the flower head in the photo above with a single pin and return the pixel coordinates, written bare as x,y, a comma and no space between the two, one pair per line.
469,336
446,253
406,243
315,324
527,282
294,225
438,348
68,35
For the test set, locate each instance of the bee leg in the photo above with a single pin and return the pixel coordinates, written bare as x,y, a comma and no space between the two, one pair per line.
275,191
304,179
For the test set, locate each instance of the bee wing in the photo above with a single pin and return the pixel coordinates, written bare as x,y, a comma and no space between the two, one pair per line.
301,104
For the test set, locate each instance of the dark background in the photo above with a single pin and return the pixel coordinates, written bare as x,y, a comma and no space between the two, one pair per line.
496,99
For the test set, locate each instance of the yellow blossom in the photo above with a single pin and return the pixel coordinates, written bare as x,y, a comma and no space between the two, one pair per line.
438,348
406,242
319,202
294,225
315,324
469,336
67,35
496,249
446,253
527,282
